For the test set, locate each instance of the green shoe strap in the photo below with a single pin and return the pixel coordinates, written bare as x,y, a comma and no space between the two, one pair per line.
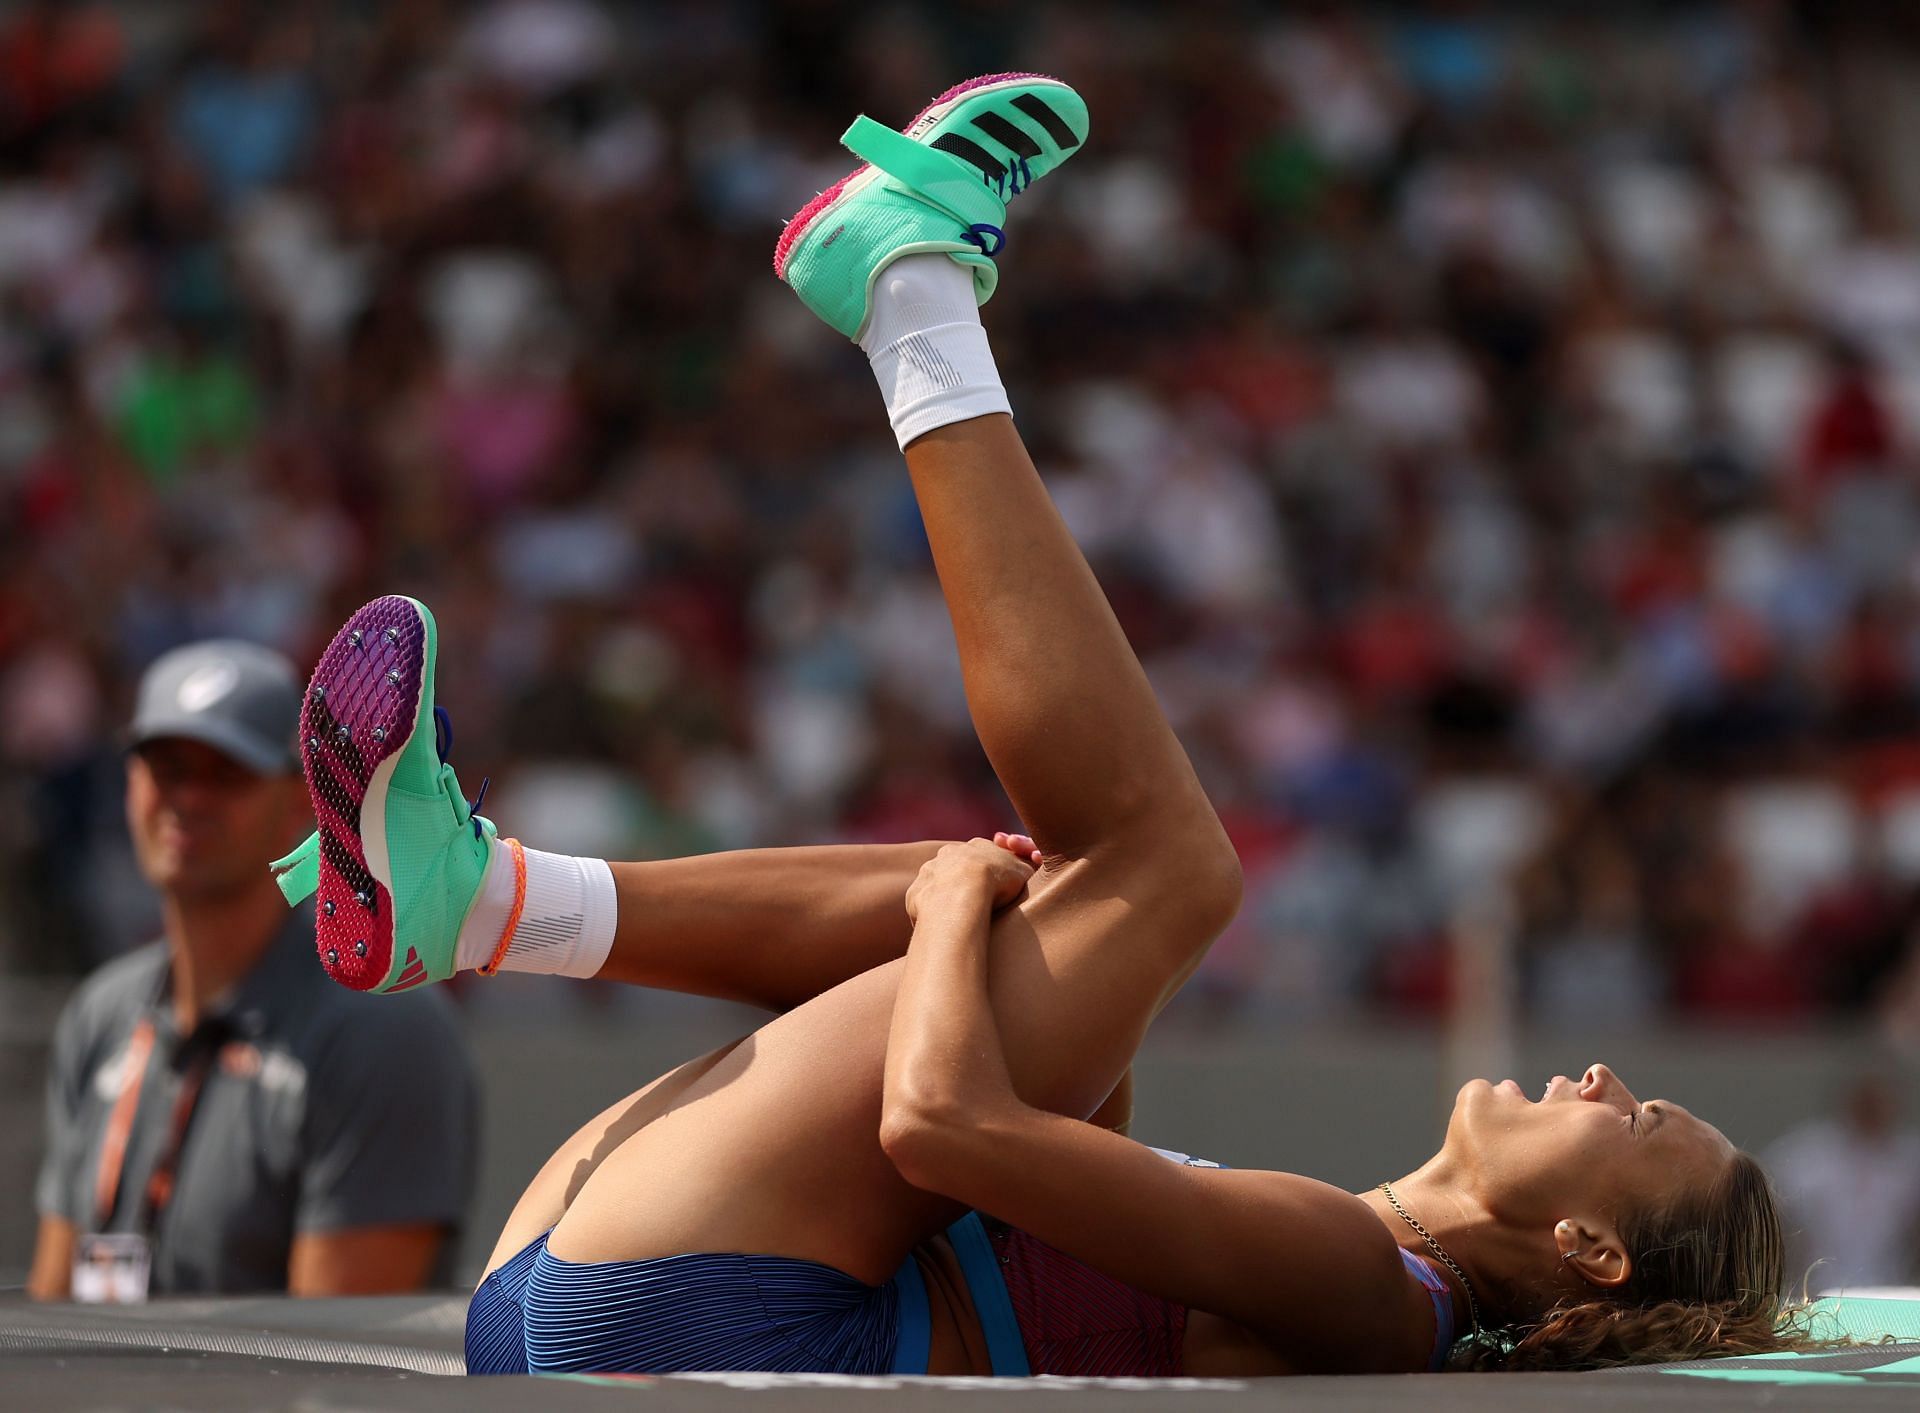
298,874
462,807
936,177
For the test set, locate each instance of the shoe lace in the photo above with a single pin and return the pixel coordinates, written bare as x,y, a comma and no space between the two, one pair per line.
978,232
443,747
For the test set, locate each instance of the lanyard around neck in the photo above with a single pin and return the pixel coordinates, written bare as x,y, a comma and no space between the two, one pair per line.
113,1149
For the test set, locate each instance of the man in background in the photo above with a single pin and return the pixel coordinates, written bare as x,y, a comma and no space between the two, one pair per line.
220,1117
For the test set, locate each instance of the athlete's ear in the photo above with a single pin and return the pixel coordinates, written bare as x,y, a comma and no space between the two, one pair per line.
1593,1251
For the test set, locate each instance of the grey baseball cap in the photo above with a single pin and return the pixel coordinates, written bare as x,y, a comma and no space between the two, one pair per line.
237,697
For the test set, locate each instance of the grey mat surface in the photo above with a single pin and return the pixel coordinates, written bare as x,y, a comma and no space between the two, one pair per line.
332,1356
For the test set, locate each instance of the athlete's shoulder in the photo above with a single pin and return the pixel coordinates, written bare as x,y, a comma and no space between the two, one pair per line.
1336,1295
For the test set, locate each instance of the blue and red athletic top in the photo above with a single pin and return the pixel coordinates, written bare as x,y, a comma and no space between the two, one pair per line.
1067,1318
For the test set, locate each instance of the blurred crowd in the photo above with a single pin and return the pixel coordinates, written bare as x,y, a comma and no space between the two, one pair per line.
1495,427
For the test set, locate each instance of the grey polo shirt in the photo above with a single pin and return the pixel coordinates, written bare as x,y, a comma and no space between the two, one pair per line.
322,1109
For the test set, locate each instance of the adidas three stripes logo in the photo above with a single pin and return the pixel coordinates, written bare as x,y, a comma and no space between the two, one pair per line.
1013,175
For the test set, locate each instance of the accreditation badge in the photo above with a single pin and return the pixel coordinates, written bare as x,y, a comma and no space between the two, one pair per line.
111,1268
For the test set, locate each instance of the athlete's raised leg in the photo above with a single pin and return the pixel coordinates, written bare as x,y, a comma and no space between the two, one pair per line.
775,1147
413,884
561,1177
1058,699
772,927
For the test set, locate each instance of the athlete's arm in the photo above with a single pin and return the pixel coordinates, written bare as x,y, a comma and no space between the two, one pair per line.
1306,1266
942,1048
364,1260
51,1275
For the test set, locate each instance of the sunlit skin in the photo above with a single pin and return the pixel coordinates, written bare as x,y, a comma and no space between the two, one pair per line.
853,1128
1528,1194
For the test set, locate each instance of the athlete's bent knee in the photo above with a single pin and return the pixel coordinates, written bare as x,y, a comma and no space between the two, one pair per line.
1223,884
1194,882
1210,883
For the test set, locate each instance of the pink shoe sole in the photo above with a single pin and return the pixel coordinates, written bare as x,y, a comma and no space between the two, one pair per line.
359,713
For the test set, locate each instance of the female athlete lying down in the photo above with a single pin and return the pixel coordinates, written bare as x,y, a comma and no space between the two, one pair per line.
898,1172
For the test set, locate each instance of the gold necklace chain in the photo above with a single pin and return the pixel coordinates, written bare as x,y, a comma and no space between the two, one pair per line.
1473,1306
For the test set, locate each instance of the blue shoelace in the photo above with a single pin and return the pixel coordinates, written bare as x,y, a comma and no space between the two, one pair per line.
443,746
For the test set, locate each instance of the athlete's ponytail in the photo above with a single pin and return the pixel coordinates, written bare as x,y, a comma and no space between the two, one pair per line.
1706,1282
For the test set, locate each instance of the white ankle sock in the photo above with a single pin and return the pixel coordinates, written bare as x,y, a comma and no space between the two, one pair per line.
566,924
927,348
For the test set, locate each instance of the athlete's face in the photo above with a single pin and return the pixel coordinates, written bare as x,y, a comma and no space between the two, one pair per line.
1584,1149
204,825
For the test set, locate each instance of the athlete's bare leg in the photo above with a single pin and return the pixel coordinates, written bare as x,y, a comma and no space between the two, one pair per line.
772,927
561,1177
775,1146
1059,701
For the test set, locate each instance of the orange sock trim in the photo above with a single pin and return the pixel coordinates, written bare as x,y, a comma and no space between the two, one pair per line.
513,914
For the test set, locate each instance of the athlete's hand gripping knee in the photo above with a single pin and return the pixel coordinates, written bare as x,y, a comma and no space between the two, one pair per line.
945,1068
978,867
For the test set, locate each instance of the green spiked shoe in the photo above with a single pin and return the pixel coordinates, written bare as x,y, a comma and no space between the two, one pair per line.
399,855
942,185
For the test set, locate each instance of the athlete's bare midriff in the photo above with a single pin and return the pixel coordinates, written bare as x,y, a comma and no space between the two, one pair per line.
1213,1348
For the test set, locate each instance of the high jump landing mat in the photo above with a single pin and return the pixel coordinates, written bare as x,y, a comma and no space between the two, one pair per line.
332,1356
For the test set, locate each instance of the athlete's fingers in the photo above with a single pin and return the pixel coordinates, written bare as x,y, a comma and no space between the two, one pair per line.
1007,872
1021,845
977,862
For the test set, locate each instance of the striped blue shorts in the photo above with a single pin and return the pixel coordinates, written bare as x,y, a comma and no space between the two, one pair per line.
719,1311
